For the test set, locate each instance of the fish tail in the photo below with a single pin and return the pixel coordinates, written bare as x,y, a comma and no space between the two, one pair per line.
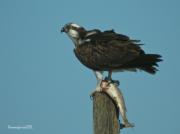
128,124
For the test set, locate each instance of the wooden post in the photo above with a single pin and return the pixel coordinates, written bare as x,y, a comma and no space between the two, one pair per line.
105,115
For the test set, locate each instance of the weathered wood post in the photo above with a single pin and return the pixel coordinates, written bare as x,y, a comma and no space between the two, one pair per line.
105,115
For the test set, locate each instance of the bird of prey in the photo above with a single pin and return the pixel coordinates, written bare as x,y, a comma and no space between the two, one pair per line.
109,51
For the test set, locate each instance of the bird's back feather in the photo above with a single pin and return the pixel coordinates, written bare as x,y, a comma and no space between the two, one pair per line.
108,50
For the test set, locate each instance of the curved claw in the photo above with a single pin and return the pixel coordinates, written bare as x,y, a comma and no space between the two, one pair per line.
116,82
112,81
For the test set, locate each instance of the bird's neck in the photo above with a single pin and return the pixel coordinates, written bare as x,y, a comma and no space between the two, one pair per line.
77,41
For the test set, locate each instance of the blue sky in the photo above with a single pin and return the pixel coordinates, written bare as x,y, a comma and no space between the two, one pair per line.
43,84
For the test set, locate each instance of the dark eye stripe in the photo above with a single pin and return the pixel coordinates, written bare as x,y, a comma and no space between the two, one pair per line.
81,31
75,28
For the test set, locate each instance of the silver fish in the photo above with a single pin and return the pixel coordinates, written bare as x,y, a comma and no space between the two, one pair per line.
115,93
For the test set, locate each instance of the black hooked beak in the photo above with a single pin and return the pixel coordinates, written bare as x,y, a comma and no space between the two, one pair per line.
62,30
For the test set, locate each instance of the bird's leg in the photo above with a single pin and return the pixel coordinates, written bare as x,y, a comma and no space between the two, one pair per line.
99,76
109,75
109,78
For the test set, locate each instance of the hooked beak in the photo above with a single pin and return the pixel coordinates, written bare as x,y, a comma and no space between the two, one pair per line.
62,30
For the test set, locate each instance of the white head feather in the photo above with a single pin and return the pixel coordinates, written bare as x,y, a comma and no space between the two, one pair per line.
75,25
73,33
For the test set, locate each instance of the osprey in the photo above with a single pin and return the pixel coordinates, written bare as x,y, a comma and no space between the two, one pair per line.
109,51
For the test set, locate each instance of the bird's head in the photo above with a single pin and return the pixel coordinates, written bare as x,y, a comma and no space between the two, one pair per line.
75,32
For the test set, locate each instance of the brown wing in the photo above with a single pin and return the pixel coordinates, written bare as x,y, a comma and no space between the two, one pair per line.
107,51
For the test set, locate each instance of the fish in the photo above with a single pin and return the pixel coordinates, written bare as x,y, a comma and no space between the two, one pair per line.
116,95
